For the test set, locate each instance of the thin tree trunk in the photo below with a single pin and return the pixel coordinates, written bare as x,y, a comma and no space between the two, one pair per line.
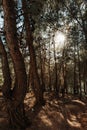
43,63
75,88
84,78
79,73
49,69
55,68
41,68
63,69
65,78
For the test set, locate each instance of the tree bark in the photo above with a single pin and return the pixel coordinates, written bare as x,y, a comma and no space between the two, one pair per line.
49,69
15,105
41,68
6,88
29,39
56,88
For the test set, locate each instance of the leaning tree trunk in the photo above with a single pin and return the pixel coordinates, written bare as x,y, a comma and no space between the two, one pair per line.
6,88
29,39
15,105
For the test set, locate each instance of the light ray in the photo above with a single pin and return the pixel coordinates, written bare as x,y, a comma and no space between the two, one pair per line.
59,40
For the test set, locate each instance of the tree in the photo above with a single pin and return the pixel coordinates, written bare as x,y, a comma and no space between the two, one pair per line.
29,40
15,105
60,70
6,89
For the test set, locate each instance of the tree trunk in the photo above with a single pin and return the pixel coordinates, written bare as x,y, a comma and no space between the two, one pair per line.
6,88
75,87
41,67
79,72
56,88
29,39
84,77
15,105
49,69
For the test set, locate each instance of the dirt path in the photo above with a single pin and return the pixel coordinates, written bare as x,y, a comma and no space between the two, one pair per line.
55,115
59,115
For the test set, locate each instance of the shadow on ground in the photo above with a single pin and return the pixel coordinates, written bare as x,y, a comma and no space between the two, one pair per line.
62,114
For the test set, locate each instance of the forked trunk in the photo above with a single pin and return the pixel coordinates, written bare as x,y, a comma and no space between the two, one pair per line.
15,104
29,39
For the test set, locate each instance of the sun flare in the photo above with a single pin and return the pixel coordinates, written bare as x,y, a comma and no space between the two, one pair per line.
59,39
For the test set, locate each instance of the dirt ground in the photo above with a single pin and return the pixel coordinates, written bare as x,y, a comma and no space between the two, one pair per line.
69,113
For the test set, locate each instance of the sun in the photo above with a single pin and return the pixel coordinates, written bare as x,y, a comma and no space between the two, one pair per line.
59,39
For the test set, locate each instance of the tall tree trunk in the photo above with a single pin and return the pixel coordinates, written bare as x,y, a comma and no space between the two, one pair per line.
44,64
65,78
49,69
6,88
15,105
29,39
79,71
84,77
63,74
41,67
75,87
55,68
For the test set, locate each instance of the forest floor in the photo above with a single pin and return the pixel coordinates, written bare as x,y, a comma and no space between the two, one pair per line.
69,113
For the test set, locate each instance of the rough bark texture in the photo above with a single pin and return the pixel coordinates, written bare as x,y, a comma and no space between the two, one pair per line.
29,39
6,88
15,105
